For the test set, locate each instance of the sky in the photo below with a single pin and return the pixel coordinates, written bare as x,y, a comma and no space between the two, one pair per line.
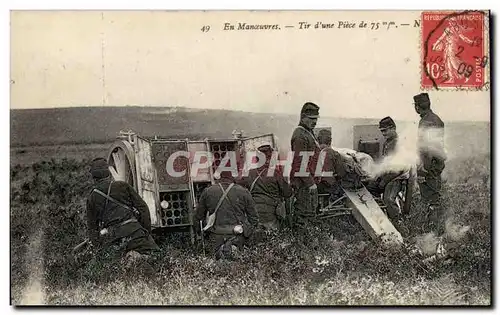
159,58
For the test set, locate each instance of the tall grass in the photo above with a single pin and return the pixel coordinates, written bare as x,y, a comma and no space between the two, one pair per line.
340,265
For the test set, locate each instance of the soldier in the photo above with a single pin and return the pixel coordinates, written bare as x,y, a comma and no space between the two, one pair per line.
268,191
331,162
431,158
232,216
116,215
387,183
305,145
387,127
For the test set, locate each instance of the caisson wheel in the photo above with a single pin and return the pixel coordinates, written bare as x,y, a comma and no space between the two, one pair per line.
122,163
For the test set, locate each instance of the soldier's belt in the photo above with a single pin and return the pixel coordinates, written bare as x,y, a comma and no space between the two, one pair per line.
227,229
106,230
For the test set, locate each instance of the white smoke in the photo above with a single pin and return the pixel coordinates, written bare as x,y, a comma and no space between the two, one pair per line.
427,243
405,157
456,232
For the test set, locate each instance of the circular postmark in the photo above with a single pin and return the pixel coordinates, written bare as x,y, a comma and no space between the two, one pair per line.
455,50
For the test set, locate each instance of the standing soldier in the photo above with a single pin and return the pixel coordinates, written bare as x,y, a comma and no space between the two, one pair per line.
387,183
302,177
431,158
231,216
268,190
116,214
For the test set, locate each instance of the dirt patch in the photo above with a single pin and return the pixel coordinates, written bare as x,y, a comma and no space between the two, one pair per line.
33,293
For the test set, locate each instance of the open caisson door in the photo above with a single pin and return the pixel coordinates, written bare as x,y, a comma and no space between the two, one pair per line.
121,160
173,183
130,161
202,174
146,178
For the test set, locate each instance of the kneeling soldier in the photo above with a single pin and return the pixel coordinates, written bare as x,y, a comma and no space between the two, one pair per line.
268,190
116,214
232,218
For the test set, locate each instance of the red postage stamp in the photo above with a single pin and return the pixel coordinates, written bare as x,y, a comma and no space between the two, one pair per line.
454,50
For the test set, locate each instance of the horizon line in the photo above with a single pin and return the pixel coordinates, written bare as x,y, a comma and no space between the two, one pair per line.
214,109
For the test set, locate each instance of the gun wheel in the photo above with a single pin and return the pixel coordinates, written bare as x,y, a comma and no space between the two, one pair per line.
405,196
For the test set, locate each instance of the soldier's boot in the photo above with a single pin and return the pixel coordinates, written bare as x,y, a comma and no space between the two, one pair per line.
227,251
230,249
259,236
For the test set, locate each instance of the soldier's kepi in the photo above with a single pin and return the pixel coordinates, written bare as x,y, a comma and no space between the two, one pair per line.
431,158
116,215
306,149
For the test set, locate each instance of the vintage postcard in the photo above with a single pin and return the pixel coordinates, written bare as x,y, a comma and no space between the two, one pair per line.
250,158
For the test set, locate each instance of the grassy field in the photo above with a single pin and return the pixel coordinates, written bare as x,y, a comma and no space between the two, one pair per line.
342,267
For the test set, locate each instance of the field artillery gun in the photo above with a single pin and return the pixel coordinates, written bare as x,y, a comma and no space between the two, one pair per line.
172,200
368,209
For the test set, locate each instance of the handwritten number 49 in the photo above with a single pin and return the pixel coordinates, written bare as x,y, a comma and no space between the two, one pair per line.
205,28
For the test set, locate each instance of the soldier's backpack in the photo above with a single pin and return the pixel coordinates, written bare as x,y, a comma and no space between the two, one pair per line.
280,209
108,197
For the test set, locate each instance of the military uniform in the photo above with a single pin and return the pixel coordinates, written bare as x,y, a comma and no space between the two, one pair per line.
268,193
304,140
109,223
331,163
432,158
391,185
238,208
387,182
389,146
